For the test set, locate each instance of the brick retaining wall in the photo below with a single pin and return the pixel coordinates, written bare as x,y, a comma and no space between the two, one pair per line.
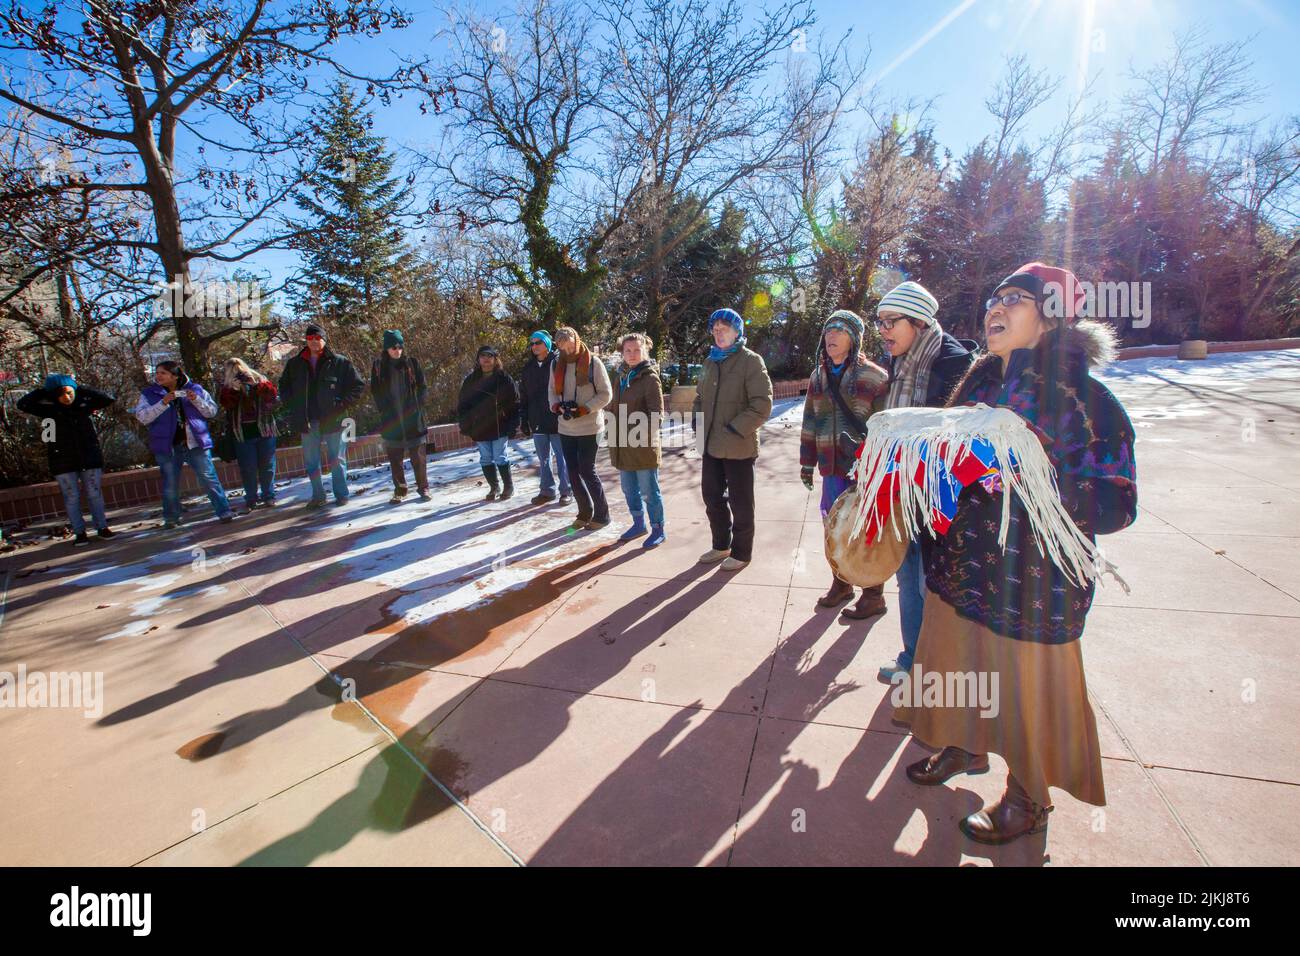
142,485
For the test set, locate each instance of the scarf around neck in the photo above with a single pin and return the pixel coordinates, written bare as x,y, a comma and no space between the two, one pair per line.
582,359
717,355
911,378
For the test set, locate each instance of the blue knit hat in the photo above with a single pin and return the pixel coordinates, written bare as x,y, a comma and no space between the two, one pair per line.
58,380
731,317
393,339
541,336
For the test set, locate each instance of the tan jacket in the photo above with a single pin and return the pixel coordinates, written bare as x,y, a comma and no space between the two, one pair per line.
735,396
632,425
593,396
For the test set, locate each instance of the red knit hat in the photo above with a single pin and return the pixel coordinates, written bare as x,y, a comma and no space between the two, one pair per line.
1060,296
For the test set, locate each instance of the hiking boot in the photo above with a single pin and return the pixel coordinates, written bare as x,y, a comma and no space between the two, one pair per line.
840,592
870,604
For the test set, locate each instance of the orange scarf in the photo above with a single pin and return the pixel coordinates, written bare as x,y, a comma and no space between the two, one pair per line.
583,357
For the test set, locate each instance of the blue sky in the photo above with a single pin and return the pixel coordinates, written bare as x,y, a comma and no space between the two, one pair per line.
954,51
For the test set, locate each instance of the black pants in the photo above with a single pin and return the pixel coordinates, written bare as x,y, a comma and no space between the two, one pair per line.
419,464
580,458
728,488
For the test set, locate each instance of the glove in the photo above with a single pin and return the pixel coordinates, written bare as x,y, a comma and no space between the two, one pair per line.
805,475
847,446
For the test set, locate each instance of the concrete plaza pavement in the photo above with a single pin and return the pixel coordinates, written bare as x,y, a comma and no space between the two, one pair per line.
467,683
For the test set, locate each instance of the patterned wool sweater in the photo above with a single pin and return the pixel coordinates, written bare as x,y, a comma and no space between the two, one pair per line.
863,385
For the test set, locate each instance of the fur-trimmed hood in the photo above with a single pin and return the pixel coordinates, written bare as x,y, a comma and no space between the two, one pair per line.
1096,340
1075,349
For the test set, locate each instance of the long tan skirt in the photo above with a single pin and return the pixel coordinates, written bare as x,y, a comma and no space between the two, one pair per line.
1042,724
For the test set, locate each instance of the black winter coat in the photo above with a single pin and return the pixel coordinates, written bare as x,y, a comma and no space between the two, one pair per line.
75,446
335,389
401,416
535,409
489,406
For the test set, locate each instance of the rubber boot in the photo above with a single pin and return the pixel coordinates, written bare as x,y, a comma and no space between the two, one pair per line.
490,474
507,483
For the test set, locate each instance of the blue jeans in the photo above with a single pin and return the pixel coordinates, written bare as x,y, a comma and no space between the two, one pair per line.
256,458
492,452
832,487
336,458
545,446
643,484
170,465
72,498
911,601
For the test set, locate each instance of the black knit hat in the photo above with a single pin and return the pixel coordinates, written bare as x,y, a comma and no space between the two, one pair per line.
314,329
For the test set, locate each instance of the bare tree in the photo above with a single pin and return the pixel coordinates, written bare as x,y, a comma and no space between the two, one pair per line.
131,82
519,150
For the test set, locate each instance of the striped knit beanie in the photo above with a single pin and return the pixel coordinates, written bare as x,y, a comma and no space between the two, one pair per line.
912,300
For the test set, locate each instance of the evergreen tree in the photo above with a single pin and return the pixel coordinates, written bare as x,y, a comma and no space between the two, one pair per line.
353,244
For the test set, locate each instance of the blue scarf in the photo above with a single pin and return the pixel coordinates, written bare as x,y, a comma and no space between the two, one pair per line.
717,355
625,381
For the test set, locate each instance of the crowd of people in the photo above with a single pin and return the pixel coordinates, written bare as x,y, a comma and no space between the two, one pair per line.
968,602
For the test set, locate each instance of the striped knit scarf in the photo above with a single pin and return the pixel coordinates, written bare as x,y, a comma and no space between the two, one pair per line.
911,381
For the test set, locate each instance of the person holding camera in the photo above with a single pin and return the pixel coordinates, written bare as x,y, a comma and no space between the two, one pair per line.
578,391
72,446
176,411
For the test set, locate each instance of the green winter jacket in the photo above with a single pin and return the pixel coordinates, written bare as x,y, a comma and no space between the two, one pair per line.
735,399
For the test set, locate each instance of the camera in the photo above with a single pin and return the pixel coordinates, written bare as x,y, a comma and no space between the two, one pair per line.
568,410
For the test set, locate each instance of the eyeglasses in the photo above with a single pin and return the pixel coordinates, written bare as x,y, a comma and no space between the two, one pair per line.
887,325
1008,300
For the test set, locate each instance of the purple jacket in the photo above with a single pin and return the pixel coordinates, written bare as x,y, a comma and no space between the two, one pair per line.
197,406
